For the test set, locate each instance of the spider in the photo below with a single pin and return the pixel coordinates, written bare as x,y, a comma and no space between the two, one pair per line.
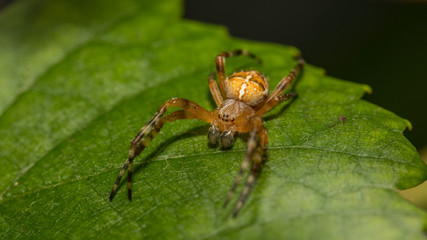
246,101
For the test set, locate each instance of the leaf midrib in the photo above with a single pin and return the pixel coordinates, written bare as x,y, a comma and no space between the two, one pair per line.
276,148
169,79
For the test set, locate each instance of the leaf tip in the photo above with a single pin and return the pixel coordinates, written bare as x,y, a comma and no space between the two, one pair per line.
367,89
408,124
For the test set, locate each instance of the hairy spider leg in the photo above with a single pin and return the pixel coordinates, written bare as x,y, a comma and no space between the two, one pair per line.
150,130
220,65
274,97
258,139
213,87
274,102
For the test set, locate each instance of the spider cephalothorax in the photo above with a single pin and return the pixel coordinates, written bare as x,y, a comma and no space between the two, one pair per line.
246,101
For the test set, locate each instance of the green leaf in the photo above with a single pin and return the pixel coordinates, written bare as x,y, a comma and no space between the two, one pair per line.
77,82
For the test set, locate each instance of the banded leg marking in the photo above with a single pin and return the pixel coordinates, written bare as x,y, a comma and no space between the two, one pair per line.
119,177
250,180
150,130
283,84
269,105
257,141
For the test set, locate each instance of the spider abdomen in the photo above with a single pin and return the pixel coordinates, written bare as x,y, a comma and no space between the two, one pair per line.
250,87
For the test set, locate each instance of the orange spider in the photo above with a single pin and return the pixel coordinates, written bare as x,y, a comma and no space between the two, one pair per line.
246,102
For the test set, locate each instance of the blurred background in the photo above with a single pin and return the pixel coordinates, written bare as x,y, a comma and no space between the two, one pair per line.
379,43
376,42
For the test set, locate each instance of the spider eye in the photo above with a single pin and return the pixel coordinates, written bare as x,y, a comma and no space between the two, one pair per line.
250,87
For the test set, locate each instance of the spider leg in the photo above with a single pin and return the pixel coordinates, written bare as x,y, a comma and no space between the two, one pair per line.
269,105
243,167
257,160
283,84
213,87
220,65
150,130
257,141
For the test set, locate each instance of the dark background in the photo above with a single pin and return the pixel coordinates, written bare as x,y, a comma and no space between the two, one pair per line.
380,43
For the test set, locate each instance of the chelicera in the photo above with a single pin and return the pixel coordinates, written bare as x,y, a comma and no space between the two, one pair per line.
242,99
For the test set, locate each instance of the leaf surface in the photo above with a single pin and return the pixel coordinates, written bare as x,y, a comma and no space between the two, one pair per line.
71,106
